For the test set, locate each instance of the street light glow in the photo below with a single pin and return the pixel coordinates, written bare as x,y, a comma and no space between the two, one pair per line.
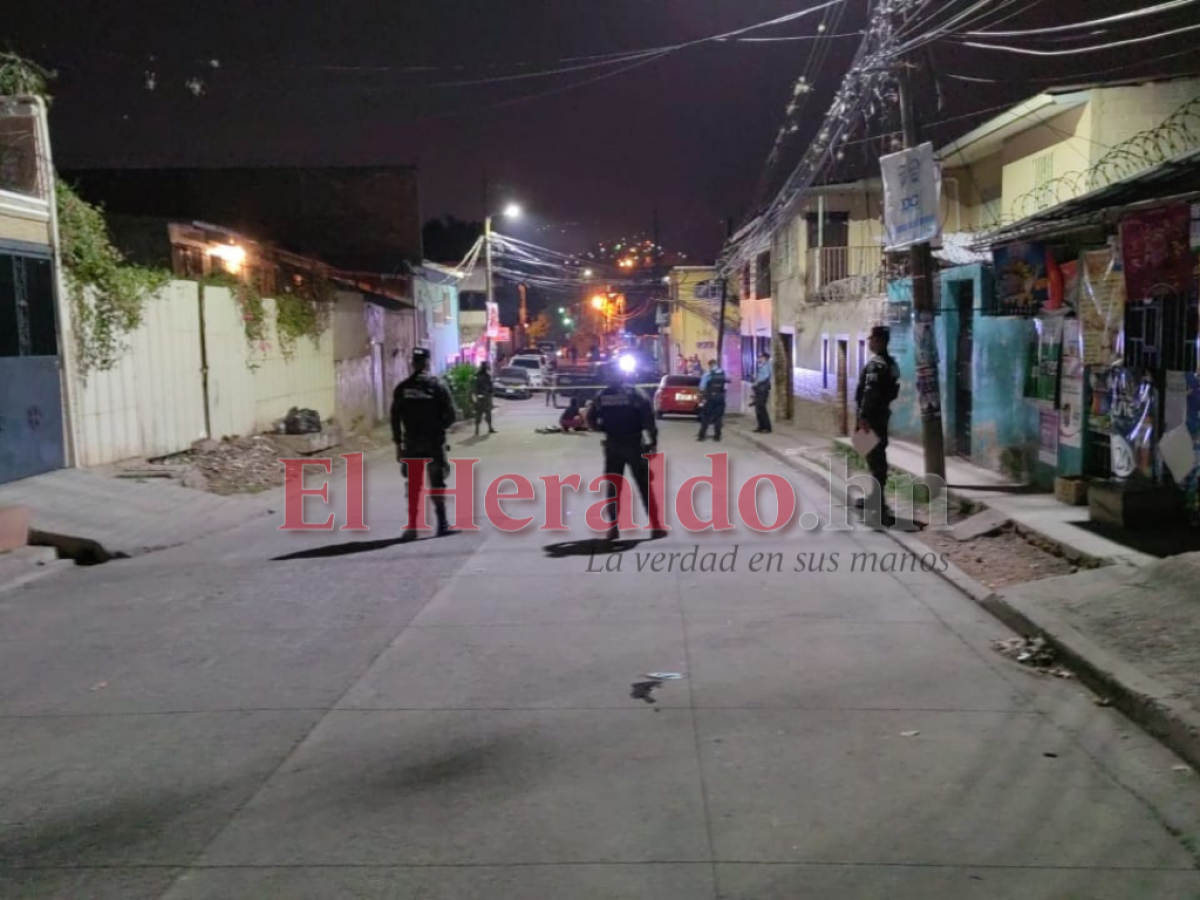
587,273
567,320
627,363
512,211
598,302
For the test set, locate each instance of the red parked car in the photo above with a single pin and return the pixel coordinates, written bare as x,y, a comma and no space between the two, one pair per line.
678,395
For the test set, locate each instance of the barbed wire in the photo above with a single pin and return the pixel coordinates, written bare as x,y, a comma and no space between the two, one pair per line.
1177,134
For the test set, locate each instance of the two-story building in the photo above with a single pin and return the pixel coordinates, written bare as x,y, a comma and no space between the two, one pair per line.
830,280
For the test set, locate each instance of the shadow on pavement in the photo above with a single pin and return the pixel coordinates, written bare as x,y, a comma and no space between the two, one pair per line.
590,547
349,548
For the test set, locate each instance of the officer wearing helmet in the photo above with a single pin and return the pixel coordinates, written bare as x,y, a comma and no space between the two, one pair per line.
421,412
623,413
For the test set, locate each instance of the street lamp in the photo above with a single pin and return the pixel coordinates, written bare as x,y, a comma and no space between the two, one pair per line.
511,211
587,273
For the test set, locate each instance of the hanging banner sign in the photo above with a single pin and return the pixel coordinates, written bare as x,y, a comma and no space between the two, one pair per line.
493,320
1070,403
1022,284
1048,437
1101,307
1134,412
1049,355
1156,253
912,197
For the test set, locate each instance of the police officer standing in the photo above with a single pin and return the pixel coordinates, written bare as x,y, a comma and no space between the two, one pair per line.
622,412
712,388
421,412
877,388
483,392
762,394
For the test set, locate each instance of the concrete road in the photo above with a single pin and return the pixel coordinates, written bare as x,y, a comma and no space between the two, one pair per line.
453,719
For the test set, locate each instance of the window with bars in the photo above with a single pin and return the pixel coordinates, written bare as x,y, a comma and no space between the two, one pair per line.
27,318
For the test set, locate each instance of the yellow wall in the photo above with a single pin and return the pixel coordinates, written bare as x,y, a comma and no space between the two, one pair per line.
21,228
690,332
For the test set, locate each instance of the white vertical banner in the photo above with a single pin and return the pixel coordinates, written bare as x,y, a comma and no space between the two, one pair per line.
912,197
493,320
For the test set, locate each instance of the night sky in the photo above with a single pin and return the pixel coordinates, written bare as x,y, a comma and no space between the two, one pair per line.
372,82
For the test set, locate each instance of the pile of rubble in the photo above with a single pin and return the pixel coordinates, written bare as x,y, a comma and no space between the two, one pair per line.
237,466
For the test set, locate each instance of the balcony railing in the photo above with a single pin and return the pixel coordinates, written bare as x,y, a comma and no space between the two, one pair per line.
845,272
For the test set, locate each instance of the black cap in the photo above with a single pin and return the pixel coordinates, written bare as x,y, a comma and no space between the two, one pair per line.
882,332
420,353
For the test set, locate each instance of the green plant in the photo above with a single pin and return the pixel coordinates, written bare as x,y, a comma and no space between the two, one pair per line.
303,313
461,379
249,301
20,76
107,295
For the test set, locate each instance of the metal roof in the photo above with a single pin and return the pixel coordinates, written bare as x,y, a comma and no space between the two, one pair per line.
1177,180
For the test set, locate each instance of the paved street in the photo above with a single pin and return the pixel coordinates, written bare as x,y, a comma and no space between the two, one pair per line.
453,719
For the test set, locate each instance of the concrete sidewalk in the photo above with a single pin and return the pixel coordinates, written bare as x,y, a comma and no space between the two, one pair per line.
1129,629
107,517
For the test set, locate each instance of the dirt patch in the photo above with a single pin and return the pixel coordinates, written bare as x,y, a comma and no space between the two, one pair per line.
1001,560
997,561
240,465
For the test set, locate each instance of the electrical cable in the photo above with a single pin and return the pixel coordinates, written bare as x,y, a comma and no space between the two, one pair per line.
1075,26
1029,51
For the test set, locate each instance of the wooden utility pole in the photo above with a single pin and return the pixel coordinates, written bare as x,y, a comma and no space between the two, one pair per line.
724,302
924,309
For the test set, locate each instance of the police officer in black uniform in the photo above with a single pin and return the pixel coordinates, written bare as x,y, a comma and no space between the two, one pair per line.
622,412
421,412
712,386
878,386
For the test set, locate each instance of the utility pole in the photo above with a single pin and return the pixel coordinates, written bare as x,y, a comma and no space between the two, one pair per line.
524,345
921,273
724,303
491,298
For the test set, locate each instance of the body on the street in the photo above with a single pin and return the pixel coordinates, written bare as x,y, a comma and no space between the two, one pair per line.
878,386
712,392
624,415
422,410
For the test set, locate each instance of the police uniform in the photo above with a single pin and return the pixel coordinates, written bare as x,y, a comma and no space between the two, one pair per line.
622,412
877,388
483,391
713,413
422,410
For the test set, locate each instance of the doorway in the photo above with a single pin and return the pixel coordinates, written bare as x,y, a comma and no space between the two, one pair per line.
32,437
964,370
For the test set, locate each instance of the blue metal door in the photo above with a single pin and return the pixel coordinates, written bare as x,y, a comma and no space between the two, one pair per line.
31,421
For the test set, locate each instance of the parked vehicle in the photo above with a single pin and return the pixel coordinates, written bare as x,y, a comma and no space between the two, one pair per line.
534,364
678,395
514,383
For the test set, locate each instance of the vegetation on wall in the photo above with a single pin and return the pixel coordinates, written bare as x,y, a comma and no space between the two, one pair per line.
21,77
304,312
108,296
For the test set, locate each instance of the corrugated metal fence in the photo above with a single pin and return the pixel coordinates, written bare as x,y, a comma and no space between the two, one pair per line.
152,403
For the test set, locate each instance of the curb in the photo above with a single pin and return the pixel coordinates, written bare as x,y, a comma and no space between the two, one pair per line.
1142,699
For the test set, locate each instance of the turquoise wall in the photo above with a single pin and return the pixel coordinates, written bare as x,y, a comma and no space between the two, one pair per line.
1004,426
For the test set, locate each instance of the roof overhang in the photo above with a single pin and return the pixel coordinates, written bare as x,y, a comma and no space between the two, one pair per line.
989,137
